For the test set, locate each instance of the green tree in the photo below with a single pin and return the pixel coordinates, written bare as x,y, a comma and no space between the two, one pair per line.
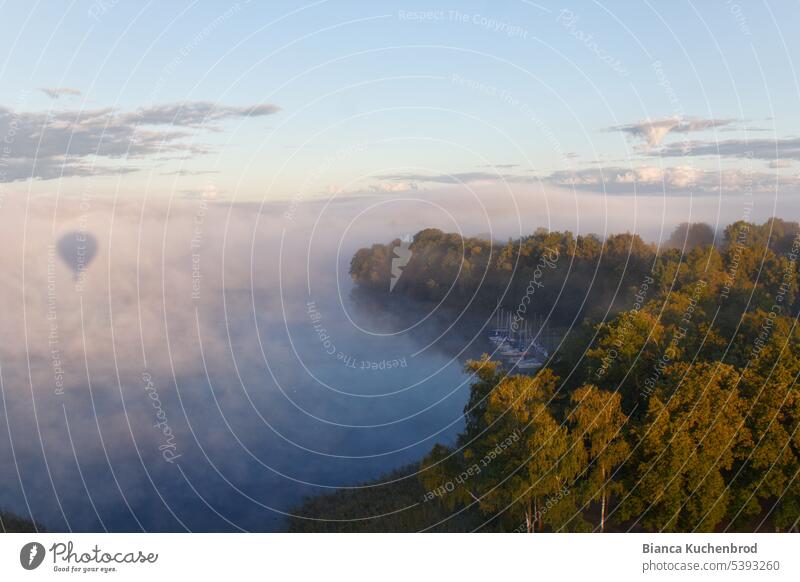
537,467
767,479
693,432
599,423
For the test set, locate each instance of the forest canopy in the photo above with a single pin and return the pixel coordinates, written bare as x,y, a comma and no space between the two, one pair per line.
671,403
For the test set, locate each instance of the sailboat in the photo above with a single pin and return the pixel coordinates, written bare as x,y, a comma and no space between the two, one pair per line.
516,345
500,335
526,353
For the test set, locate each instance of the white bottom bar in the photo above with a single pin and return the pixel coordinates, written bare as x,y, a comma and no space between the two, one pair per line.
404,557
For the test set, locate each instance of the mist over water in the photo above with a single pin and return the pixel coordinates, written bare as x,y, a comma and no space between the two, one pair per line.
206,368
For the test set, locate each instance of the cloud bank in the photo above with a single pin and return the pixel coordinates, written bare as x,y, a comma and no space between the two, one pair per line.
55,144
670,180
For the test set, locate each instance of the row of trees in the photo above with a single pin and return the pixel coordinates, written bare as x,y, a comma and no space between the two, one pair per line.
592,275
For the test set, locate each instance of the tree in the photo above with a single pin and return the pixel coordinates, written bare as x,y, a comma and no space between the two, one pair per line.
441,475
693,432
625,351
537,467
513,456
599,423
487,374
688,236
767,479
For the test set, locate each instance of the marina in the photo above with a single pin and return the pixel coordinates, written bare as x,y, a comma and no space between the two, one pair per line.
517,344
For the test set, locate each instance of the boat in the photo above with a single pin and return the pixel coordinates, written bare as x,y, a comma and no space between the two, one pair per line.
500,334
512,352
529,363
515,345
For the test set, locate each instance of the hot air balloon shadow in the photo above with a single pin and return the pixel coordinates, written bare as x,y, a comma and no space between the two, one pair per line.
77,249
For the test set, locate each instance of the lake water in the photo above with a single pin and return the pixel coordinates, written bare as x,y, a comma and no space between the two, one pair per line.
166,391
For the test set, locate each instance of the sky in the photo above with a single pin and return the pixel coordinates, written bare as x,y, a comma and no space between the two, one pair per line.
650,104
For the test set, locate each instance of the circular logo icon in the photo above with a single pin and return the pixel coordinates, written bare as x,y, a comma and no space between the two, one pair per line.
31,555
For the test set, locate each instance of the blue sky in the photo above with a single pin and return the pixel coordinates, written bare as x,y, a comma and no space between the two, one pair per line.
383,97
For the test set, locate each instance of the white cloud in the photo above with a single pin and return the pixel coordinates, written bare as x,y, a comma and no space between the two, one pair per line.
58,92
393,186
653,131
